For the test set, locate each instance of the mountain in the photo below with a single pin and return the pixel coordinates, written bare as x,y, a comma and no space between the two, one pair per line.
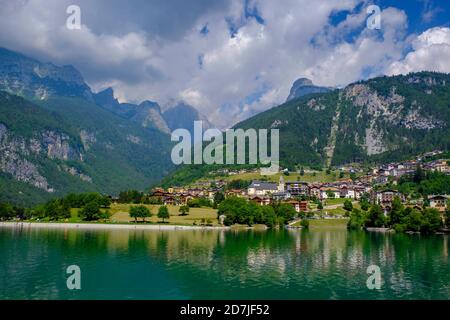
182,115
55,138
379,120
147,114
304,86
30,78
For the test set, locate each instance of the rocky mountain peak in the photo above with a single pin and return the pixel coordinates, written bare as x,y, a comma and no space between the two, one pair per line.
304,86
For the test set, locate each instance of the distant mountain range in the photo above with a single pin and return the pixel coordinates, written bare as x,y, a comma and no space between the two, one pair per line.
57,136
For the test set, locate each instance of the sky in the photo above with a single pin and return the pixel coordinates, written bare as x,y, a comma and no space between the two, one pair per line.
230,59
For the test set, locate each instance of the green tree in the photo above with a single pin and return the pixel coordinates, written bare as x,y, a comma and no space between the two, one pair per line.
414,220
348,205
269,217
376,217
419,174
91,211
285,212
140,211
364,203
357,220
6,211
219,196
431,221
320,205
397,212
184,210
163,213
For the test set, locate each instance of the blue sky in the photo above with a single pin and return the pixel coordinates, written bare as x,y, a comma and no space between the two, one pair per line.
229,59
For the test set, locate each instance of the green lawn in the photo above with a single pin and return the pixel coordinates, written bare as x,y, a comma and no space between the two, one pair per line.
119,213
330,202
327,223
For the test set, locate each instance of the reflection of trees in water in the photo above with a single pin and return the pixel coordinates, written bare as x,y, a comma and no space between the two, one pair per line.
229,260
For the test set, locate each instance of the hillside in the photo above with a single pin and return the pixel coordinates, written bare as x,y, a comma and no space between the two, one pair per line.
381,119
378,120
55,139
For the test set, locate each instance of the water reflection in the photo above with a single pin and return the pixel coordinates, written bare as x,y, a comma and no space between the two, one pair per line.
283,264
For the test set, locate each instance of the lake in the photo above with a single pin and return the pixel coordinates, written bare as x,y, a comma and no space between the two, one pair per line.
221,264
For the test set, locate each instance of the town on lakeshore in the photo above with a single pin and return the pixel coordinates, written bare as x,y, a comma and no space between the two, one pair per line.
378,186
406,196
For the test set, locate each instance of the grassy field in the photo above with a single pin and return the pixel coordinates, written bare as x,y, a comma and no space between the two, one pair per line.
119,214
327,223
318,176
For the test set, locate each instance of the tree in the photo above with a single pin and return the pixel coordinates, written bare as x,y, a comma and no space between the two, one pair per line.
376,217
364,203
269,217
6,211
285,212
419,174
341,174
219,196
235,210
304,223
184,210
320,205
348,206
414,220
330,194
397,212
91,211
140,211
130,196
163,213
431,221
357,220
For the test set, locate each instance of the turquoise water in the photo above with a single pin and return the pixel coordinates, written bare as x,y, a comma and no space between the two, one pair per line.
195,264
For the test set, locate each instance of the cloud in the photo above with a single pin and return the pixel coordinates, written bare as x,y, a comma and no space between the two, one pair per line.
430,51
228,58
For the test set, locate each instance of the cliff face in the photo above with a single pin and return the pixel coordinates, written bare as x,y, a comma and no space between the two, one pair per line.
31,78
17,155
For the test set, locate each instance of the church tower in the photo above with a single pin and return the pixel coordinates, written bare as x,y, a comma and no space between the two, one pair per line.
281,184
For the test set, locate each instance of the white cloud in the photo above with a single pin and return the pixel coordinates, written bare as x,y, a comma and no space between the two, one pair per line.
430,51
166,58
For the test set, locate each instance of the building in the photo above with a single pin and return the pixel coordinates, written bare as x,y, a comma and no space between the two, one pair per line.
329,192
297,188
259,188
263,201
299,206
438,202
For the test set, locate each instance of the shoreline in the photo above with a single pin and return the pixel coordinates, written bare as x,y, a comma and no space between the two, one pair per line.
104,226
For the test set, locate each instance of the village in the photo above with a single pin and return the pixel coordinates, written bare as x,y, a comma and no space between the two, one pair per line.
376,186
